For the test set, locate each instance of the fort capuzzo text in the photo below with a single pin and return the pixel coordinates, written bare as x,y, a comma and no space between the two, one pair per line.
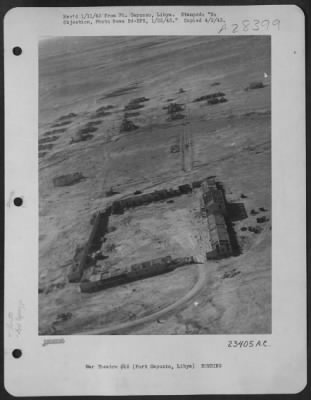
158,17
144,366
163,17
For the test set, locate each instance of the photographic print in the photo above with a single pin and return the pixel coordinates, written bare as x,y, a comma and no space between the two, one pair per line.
152,159
155,185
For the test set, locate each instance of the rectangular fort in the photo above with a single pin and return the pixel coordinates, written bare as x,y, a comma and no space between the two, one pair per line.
213,208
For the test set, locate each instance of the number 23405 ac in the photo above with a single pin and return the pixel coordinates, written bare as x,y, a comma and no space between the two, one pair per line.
248,343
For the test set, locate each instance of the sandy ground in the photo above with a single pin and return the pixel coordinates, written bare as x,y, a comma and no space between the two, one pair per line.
232,140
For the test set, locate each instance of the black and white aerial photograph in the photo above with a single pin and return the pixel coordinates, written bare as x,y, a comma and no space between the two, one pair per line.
155,185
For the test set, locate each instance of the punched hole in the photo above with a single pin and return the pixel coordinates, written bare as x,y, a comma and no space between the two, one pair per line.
17,51
18,201
17,353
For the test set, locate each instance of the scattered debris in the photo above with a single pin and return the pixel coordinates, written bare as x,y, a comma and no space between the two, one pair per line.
209,96
216,100
134,106
257,113
103,111
62,123
94,123
104,108
139,100
136,103
63,317
67,116
260,220
102,114
255,229
231,274
54,131
174,111
127,126
120,91
253,212
255,85
84,134
243,228
68,180
174,108
262,209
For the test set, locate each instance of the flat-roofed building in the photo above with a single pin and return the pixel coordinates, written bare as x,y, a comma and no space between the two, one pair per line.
213,207
214,202
219,236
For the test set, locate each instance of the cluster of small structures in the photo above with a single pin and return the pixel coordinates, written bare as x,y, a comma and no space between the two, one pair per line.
175,111
128,125
84,133
213,209
259,220
213,98
46,143
50,137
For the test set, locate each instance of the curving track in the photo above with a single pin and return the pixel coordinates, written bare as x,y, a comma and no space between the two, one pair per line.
202,279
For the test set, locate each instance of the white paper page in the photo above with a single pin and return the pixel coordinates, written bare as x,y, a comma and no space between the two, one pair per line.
154,148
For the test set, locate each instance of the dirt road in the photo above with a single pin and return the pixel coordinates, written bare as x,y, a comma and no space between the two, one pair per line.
201,281
186,146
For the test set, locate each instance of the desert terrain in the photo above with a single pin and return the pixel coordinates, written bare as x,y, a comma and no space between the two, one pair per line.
126,115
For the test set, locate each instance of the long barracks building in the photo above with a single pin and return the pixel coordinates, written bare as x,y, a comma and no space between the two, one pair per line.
213,207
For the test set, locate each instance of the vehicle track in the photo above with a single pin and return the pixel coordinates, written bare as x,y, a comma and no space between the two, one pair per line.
186,145
199,285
